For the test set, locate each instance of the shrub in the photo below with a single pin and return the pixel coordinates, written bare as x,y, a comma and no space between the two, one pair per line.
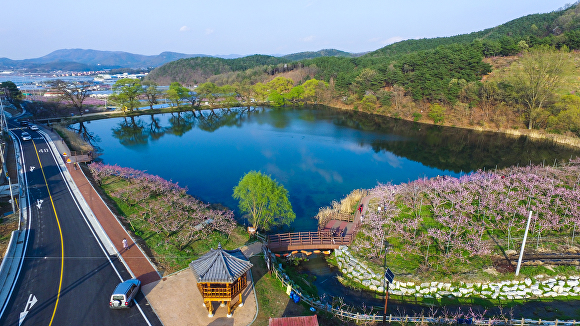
437,113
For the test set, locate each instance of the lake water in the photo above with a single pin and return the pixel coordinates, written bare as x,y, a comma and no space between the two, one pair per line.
319,155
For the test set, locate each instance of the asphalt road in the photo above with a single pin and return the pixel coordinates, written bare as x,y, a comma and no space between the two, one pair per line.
66,277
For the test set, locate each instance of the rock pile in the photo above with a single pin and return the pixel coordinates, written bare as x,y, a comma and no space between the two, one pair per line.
557,286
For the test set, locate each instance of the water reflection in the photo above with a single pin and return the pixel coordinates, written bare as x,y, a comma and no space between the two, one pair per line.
444,148
319,155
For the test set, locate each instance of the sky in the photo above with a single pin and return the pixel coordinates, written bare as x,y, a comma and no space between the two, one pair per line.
34,28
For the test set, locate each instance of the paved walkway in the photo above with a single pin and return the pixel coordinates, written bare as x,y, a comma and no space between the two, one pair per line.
137,261
177,300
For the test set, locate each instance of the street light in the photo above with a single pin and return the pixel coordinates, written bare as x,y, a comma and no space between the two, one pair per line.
386,289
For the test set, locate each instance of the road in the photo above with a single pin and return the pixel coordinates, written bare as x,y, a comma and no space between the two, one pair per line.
67,276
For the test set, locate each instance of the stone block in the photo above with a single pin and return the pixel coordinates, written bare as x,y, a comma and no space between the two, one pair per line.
528,281
537,292
380,289
434,284
373,287
424,285
366,282
572,283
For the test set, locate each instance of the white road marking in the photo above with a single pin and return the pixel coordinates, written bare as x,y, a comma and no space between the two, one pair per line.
39,203
31,301
32,168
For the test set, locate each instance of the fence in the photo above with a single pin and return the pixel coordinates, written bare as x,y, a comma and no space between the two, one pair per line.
361,317
307,240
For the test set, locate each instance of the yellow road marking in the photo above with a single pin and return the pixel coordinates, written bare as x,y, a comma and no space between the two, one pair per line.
59,231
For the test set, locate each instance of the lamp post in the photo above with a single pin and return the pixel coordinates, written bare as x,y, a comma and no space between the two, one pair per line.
386,289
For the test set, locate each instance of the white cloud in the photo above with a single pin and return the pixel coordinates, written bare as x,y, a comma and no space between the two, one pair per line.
184,28
208,31
309,38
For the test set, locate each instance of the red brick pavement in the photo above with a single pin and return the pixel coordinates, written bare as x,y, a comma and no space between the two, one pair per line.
134,257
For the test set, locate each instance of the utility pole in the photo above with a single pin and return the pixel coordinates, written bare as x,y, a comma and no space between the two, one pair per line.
523,244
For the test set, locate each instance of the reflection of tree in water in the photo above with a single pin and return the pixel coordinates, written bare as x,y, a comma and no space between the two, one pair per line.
449,148
131,132
212,120
180,123
155,130
86,135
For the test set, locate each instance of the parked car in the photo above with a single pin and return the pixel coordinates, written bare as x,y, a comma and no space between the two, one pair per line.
124,294
33,127
26,136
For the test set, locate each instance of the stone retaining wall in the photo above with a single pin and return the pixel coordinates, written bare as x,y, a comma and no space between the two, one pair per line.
538,287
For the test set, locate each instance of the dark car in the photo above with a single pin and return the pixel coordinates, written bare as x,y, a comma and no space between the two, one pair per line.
24,123
124,294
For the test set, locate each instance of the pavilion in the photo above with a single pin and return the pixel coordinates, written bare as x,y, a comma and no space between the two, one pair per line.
221,275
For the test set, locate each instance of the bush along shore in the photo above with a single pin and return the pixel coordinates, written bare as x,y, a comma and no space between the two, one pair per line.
171,222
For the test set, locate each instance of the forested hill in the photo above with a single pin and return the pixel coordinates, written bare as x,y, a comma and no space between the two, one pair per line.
321,53
196,70
529,27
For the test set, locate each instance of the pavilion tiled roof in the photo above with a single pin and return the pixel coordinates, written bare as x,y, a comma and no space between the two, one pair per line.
220,266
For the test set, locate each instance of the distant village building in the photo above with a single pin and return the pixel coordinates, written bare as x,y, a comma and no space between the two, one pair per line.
221,276
52,94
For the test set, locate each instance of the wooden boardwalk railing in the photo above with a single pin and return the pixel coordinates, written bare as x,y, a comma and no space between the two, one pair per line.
306,240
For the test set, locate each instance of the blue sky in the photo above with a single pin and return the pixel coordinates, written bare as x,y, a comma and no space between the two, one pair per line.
33,28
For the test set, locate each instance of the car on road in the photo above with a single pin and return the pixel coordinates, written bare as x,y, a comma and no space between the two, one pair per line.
124,294
33,127
24,123
26,136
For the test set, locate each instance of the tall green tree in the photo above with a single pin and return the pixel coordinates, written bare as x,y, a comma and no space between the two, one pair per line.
177,94
12,91
126,93
264,200
152,93
208,91
536,77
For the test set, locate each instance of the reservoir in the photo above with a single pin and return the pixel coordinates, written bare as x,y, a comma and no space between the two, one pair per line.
318,154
